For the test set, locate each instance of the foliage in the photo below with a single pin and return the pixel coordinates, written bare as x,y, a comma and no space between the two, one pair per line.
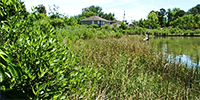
54,13
41,9
44,63
115,25
57,23
123,25
9,72
53,57
153,20
187,22
96,10
106,27
194,10
10,7
93,26
131,65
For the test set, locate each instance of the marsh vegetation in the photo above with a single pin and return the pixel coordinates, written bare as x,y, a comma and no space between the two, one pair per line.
52,57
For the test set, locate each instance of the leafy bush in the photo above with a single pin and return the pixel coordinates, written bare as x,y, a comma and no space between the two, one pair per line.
115,25
101,35
106,27
88,34
45,64
123,25
8,71
197,31
57,23
93,26
44,24
118,35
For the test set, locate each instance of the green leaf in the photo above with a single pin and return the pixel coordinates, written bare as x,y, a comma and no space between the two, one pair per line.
9,1
2,77
33,90
41,87
4,1
11,70
1,13
3,61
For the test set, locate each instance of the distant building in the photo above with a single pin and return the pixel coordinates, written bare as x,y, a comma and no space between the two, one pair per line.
95,20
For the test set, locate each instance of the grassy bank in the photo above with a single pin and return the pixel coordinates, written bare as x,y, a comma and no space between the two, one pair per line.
126,68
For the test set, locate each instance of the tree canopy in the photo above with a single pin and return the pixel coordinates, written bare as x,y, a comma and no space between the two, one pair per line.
41,9
96,10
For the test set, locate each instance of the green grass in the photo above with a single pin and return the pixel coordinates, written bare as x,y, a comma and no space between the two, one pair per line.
128,69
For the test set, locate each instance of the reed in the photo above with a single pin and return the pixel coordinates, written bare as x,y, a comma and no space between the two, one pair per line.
129,69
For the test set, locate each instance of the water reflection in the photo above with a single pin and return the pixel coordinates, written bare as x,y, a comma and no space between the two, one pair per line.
182,59
183,50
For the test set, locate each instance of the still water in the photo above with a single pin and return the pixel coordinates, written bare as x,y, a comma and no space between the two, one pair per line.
184,50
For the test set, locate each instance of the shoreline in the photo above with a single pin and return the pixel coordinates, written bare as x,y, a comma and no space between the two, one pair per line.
195,35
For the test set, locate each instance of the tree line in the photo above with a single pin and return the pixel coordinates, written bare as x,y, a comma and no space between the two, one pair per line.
86,12
174,17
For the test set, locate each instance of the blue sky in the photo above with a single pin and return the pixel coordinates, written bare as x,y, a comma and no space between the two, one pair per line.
134,9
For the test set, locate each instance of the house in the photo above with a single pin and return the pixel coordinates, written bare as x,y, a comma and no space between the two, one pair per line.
95,20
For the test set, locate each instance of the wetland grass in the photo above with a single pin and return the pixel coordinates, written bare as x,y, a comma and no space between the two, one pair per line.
129,69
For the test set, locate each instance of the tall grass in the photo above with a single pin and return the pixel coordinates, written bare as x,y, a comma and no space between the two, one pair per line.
128,69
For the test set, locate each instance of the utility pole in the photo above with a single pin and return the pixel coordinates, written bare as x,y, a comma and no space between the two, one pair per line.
124,16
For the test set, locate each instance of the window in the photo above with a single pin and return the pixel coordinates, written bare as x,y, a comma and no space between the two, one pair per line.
81,22
98,22
103,23
92,22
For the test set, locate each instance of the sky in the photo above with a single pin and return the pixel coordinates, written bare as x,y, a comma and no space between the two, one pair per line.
134,9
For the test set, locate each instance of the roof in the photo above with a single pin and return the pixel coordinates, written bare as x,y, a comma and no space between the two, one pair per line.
94,18
114,21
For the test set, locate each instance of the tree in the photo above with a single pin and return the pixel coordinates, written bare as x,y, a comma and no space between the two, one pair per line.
197,20
174,14
88,14
54,13
179,13
195,10
187,22
169,16
97,10
153,20
41,9
162,18
14,8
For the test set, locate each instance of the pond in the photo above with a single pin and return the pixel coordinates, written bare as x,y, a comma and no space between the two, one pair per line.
184,50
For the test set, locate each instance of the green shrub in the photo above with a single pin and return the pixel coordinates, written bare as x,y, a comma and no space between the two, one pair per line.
115,29
43,24
118,35
88,34
57,23
106,27
9,72
115,25
101,35
172,30
197,31
93,26
123,25
45,64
